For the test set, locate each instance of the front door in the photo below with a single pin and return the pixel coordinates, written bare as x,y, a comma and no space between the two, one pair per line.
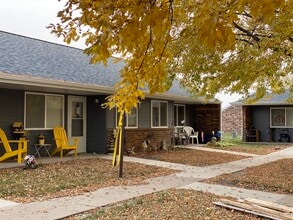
76,122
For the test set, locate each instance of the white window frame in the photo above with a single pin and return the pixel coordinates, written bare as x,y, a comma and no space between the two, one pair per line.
178,123
45,109
281,117
159,119
126,125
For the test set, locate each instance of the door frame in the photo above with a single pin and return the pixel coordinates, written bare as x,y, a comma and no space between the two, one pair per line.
81,148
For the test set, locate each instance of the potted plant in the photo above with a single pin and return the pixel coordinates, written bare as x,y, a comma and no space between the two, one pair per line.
41,139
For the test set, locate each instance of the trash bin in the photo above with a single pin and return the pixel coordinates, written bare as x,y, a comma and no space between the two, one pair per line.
218,135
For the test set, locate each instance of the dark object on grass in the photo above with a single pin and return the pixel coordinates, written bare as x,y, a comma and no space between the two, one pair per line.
29,162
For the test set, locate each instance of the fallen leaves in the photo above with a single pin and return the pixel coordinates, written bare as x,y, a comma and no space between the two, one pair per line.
191,157
275,177
259,149
76,177
170,204
72,177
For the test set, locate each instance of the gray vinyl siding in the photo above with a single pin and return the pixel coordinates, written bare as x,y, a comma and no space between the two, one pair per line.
144,114
111,119
170,114
12,109
260,116
261,120
189,115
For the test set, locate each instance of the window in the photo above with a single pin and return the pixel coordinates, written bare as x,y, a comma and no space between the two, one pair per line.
43,110
179,114
159,114
289,117
281,117
131,119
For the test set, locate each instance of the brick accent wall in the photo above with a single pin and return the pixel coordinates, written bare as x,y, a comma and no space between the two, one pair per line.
135,137
207,118
246,120
232,119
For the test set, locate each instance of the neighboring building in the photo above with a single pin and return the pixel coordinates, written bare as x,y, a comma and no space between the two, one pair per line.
232,120
44,84
271,117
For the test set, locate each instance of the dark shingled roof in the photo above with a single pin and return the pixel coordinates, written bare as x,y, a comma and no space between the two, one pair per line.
29,57
269,99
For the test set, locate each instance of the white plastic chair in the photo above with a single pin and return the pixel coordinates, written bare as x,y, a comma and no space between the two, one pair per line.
179,135
191,134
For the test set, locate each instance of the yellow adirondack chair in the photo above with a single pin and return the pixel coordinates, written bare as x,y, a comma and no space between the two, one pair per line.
20,152
62,144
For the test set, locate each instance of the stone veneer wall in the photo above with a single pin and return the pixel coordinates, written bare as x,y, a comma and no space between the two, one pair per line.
232,119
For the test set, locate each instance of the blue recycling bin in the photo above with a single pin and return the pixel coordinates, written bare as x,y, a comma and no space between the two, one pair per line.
218,135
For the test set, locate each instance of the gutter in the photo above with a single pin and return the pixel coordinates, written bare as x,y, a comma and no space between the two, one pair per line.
263,104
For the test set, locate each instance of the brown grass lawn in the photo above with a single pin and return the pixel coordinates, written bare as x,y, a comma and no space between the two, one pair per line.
190,157
78,176
259,149
172,204
275,177
72,177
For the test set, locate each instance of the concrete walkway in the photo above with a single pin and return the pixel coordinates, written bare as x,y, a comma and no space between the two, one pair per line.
188,177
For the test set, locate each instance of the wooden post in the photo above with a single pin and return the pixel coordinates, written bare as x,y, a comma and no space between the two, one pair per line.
122,148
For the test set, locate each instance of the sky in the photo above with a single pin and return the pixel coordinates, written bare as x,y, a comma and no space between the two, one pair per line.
31,17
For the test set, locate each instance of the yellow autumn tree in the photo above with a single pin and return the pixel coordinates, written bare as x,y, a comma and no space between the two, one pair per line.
215,45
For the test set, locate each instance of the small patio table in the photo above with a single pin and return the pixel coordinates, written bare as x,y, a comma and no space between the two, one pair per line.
47,147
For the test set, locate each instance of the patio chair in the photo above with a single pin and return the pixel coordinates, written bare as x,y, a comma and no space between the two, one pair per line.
252,134
191,134
62,144
179,135
284,134
20,152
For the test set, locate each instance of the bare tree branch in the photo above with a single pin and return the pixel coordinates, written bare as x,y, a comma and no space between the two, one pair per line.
247,32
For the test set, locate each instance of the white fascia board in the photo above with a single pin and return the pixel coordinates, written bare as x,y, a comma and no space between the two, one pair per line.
183,99
15,79
268,103
48,83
